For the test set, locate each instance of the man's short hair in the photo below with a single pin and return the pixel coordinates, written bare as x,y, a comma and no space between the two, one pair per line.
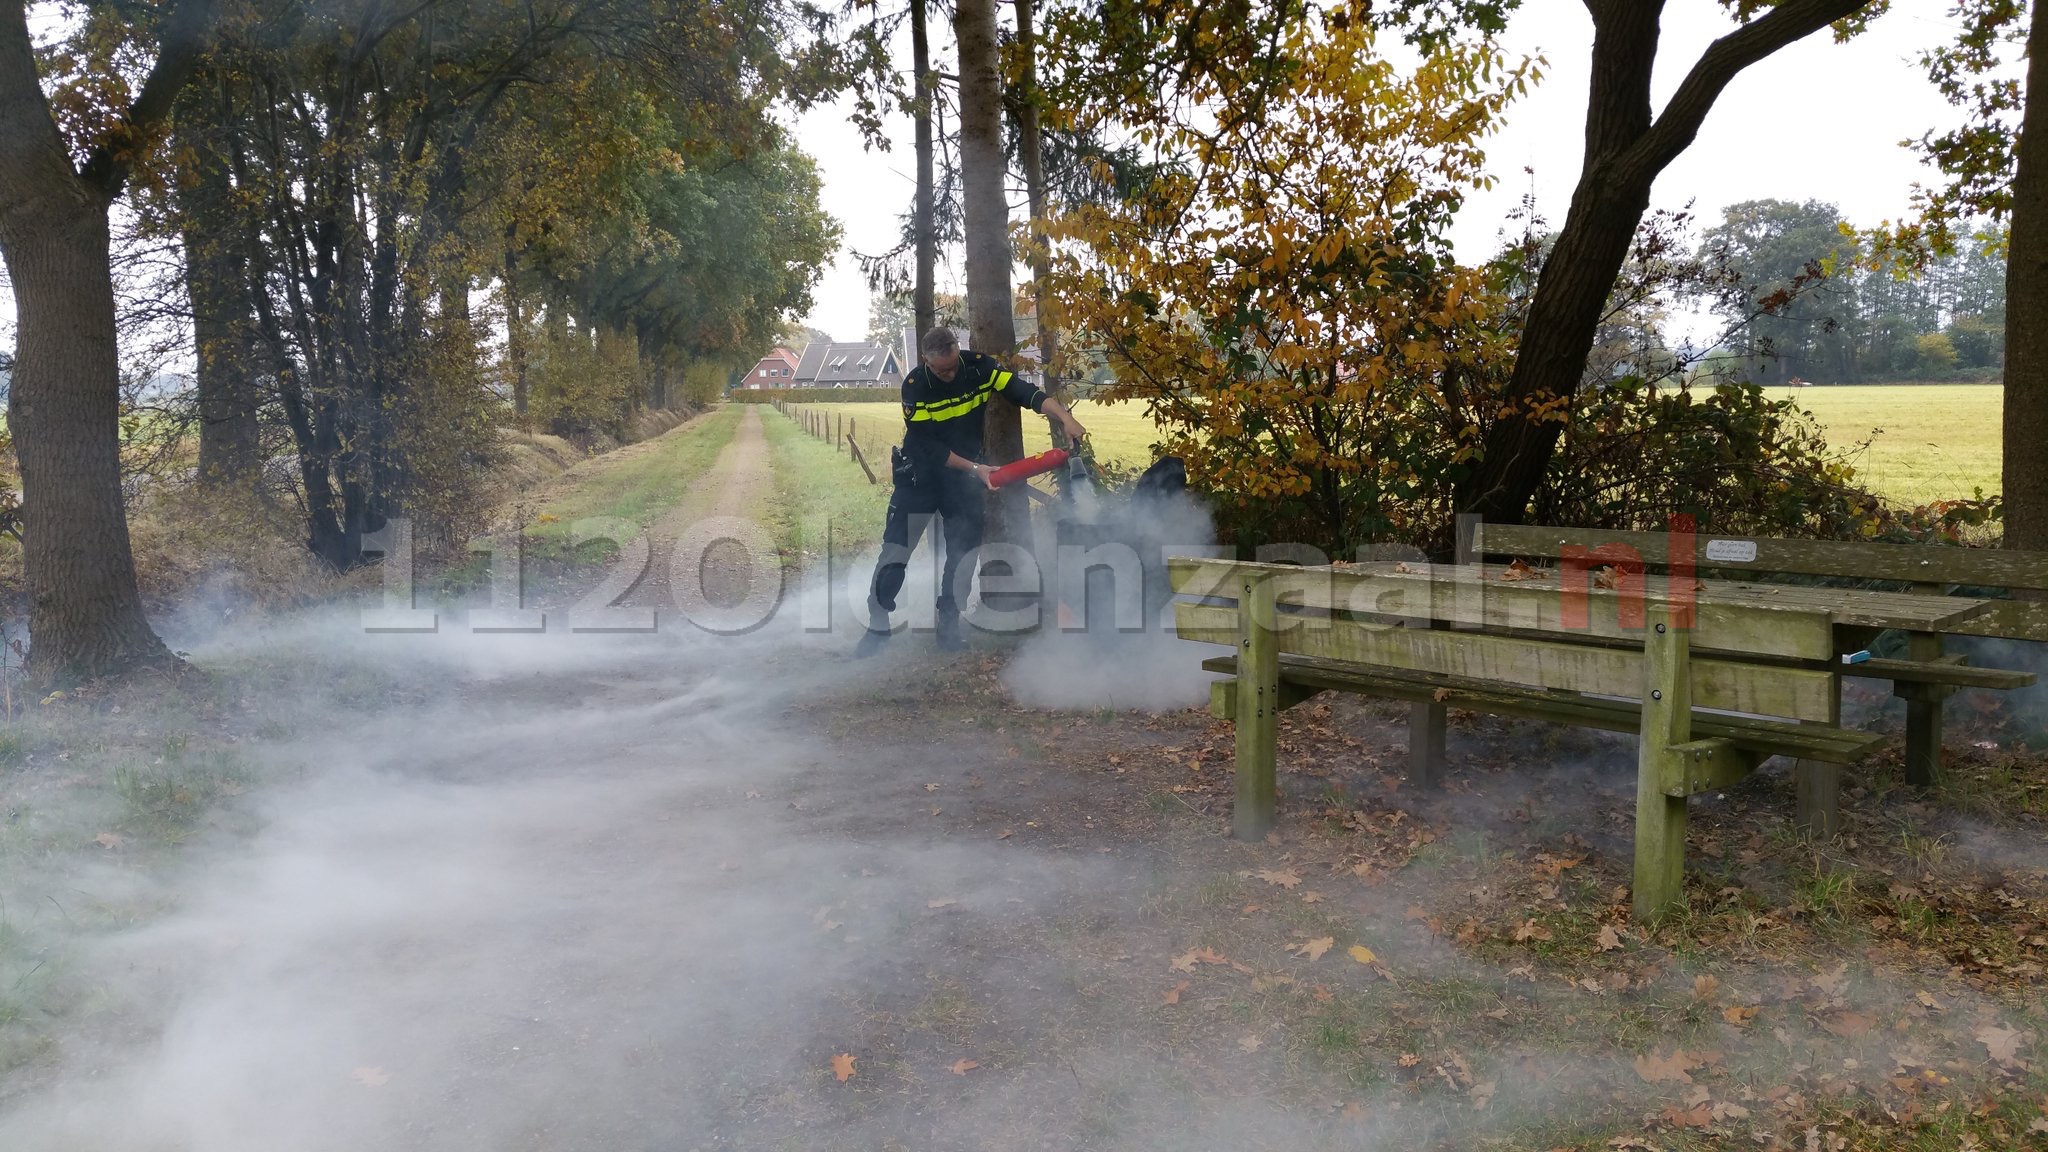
938,340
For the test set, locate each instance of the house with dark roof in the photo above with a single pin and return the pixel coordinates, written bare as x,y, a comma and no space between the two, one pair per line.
849,366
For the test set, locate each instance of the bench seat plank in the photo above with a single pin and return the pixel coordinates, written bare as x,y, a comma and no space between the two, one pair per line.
1941,672
1753,734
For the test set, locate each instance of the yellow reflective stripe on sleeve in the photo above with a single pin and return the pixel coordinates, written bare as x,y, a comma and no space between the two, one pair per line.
956,406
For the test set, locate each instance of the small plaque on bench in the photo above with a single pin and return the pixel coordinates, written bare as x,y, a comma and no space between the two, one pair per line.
1732,551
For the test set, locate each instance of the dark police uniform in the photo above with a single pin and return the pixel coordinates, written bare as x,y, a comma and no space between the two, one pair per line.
941,417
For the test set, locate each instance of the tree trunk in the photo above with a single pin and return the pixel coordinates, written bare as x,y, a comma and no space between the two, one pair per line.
986,216
2026,300
515,332
216,283
85,611
1031,152
1625,151
924,237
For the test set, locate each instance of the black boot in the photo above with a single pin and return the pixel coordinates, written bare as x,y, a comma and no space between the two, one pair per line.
875,636
949,630
870,643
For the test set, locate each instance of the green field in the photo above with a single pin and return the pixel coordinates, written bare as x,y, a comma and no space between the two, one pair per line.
1928,441
1119,432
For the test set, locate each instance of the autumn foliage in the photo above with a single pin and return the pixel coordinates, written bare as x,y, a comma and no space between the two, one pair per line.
1279,294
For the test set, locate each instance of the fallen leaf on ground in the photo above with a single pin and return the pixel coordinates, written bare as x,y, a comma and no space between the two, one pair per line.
1173,994
1311,897
1314,949
1531,930
963,1067
1666,1069
1186,961
1705,987
1831,981
945,903
1410,1059
1737,1015
1848,1024
2001,1042
1482,1093
1284,878
931,787
1927,1000
108,840
1249,1043
1608,939
1362,954
370,1077
842,1067
1005,834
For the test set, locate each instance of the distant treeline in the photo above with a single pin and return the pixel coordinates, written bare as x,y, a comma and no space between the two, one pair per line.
1806,298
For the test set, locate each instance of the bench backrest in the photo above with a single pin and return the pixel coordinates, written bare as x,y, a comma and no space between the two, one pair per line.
1516,634
1931,568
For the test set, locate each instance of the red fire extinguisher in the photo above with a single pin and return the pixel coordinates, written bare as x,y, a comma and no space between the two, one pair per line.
1029,466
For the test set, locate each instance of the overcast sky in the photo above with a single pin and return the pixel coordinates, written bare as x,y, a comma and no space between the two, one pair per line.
1819,121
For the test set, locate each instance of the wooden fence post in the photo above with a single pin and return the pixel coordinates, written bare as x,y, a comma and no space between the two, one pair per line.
1258,708
1666,721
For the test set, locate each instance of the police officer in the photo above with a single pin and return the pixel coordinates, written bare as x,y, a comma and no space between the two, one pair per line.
939,470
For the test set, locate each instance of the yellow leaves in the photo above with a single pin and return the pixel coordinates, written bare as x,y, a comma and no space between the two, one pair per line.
1362,954
1312,950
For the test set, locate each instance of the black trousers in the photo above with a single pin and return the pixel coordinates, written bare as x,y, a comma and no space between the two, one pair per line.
958,499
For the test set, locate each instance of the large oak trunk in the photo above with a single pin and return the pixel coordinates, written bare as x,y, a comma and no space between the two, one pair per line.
2026,301
986,214
924,238
85,612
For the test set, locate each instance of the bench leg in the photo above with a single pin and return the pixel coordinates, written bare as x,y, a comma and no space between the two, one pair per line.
1660,844
1426,744
1660,819
1923,715
1819,807
1258,710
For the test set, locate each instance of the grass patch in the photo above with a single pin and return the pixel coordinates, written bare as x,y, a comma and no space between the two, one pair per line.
638,482
1932,441
1120,433
813,480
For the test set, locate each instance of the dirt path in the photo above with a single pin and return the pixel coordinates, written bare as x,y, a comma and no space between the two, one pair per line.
696,891
737,487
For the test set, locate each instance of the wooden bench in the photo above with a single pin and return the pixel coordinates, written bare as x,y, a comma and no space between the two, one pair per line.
1928,675
1712,688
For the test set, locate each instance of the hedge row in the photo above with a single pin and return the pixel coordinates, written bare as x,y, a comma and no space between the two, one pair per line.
816,395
